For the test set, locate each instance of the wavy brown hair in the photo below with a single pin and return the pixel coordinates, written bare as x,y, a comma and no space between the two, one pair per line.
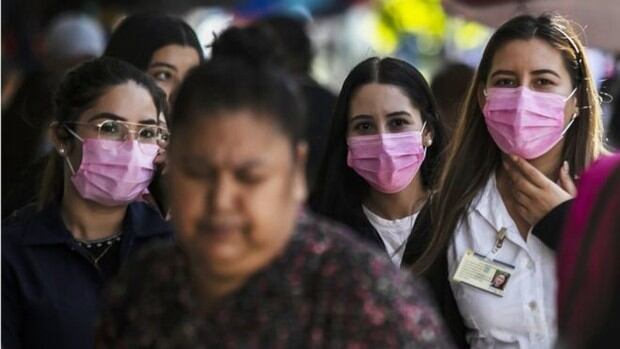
473,155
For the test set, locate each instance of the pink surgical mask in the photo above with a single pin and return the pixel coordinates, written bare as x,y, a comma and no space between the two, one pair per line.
387,161
525,122
113,173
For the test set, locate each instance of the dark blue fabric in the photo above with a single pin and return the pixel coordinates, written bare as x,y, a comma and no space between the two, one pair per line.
50,287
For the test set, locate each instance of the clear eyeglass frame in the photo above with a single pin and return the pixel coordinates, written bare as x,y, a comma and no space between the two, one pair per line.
119,131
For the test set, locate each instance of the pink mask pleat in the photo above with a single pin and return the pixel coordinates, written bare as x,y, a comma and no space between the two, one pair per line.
387,161
114,174
524,122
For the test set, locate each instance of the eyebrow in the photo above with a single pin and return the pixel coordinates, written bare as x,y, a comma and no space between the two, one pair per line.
198,161
361,117
545,71
162,64
535,72
503,72
398,113
112,116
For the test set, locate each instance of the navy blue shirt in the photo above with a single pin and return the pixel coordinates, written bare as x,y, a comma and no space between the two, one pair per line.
50,286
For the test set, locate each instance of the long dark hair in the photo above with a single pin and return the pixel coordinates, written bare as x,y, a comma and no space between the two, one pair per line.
138,37
77,92
473,155
339,188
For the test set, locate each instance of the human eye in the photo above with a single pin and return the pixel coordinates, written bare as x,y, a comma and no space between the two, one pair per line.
161,75
110,128
164,135
504,82
362,126
249,177
198,172
544,82
148,133
398,123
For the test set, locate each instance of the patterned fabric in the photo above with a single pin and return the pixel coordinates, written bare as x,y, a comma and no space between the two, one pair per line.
326,290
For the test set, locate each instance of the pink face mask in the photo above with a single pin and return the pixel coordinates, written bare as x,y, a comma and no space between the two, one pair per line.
387,161
525,122
114,174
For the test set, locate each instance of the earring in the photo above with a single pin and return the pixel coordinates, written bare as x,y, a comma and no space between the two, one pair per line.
61,151
429,143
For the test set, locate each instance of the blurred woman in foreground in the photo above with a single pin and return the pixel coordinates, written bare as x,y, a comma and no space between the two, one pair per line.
252,269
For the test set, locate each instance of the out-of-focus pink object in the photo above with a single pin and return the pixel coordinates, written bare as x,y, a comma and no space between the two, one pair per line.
586,259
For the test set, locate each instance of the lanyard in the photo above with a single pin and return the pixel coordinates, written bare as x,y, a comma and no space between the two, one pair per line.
499,241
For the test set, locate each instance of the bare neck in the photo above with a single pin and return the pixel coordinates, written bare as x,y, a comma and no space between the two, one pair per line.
88,220
398,205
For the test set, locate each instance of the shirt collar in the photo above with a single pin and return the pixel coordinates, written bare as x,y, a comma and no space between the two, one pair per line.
491,207
46,227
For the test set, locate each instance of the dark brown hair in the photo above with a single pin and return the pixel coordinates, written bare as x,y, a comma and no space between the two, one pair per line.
340,190
77,92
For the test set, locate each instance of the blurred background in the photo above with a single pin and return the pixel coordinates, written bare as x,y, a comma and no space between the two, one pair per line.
444,39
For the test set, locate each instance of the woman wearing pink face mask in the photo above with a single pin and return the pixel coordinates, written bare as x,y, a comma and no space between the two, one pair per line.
530,123
57,256
384,146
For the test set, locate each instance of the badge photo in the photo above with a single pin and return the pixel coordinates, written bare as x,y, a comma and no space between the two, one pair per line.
488,275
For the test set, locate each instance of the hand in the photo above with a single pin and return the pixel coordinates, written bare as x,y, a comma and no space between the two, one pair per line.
535,194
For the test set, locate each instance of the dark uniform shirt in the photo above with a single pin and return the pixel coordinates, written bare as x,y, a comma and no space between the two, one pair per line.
50,284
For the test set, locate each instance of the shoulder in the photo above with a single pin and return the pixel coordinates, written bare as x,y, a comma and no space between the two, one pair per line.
158,257
150,289
157,266
352,262
372,295
16,226
146,221
20,216
330,239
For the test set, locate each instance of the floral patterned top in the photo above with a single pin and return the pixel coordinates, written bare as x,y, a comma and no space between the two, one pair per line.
326,290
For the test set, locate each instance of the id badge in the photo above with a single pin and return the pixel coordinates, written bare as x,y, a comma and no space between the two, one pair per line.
488,275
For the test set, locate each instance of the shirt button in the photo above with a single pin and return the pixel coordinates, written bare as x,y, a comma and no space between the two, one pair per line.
530,265
533,305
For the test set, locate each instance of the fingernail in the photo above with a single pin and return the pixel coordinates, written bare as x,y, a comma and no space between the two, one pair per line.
514,158
565,166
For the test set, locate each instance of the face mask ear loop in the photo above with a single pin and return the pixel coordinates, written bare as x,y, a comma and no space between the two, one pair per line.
73,133
67,157
570,95
422,137
70,166
569,124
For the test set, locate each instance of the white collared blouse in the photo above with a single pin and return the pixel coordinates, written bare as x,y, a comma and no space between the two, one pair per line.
525,317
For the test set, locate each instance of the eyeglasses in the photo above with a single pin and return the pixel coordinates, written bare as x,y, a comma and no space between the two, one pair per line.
120,131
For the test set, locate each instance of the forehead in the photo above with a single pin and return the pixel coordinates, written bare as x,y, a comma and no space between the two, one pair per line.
176,54
230,137
528,55
129,101
376,94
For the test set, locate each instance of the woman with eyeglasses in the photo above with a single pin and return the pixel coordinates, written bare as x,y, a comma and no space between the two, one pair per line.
165,48
59,254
